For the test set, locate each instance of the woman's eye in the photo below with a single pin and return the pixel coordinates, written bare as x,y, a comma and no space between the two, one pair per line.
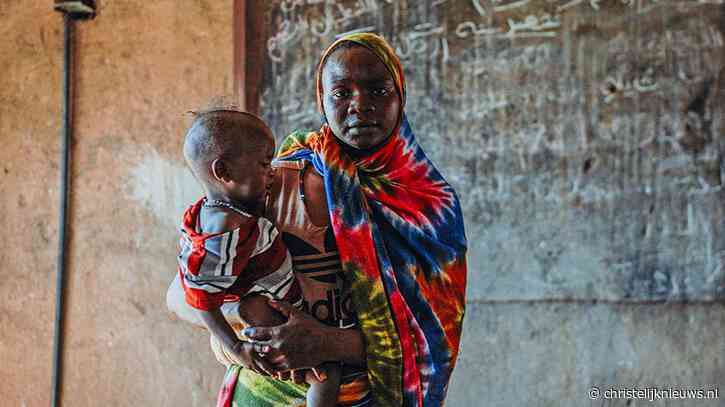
340,93
381,91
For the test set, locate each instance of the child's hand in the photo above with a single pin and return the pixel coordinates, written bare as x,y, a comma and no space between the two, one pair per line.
244,353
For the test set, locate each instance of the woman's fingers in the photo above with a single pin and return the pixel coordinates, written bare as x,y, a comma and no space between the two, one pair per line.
319,373
265,366
298,343
260,333
261,348
248,355
256,369
298,376
280,361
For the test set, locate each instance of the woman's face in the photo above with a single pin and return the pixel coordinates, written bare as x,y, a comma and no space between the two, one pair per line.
359,97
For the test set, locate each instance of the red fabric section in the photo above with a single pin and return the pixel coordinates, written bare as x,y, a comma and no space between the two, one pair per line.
226,392
200,299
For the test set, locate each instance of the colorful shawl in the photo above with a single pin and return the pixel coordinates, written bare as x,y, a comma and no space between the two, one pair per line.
399,230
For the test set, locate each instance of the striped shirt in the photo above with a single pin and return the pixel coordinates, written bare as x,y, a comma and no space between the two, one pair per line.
226,266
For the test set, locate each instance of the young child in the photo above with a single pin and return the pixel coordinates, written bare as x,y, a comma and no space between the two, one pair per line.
228,251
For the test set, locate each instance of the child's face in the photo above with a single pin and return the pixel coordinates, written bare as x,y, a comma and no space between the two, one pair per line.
251,175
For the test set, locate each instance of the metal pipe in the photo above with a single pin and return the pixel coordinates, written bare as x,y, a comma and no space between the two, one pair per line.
66,135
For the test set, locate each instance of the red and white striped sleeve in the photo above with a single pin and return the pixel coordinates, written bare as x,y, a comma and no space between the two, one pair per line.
209,264
240,262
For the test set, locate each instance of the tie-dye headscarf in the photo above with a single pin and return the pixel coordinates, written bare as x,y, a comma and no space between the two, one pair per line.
399,232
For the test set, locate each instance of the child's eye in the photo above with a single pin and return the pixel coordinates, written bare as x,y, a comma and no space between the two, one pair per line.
380,92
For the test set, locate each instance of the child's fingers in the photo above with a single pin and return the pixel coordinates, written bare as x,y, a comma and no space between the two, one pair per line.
284,307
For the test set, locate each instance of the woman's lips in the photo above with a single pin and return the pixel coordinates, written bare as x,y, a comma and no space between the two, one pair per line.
362,125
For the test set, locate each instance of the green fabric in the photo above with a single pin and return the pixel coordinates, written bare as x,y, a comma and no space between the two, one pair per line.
253,390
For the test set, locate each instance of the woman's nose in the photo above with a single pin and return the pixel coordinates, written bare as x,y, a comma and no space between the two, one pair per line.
360,103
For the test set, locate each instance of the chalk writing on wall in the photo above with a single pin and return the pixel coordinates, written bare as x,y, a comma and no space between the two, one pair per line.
606,115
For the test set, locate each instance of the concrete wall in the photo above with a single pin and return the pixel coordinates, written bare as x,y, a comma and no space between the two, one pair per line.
552,354
140,66
585,139
585,239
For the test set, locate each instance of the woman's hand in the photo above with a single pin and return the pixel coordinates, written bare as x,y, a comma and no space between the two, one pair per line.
301,376
252,357
301,342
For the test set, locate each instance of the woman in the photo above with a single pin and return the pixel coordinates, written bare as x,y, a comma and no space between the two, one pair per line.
397,225
397,246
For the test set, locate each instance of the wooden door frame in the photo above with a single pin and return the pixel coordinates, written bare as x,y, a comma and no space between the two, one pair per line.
249,40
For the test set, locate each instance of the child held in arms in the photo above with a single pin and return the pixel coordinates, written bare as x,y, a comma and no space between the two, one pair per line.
229,252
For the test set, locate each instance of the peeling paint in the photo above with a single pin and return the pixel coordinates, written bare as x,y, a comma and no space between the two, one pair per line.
163,187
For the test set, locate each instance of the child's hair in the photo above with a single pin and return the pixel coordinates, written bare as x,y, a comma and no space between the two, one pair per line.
221,133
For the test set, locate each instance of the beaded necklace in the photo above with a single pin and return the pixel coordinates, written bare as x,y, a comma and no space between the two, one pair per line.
216,203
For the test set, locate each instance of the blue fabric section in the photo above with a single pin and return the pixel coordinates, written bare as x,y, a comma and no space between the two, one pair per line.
405,249
405,259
